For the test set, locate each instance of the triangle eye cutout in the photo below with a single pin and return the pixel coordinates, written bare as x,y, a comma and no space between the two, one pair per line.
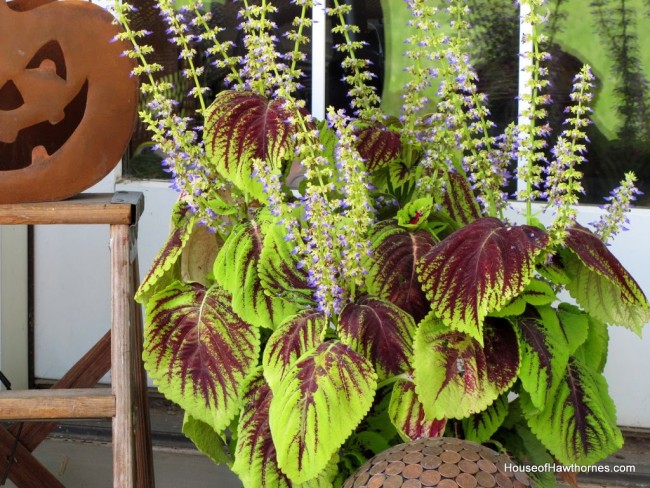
10,97
50,56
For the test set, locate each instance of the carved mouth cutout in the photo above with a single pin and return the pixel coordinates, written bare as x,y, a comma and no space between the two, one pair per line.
40,141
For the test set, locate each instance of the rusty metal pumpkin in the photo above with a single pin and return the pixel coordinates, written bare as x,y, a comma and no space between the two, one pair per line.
67,99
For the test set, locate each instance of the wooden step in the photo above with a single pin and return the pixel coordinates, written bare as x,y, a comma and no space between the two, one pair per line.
71,403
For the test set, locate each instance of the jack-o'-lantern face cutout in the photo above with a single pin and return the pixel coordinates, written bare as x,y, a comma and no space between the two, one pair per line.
67,100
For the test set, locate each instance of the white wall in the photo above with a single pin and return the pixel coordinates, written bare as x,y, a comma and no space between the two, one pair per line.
71,279
13,305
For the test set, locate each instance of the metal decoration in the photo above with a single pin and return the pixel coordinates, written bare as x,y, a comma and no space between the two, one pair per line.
442,462
67,98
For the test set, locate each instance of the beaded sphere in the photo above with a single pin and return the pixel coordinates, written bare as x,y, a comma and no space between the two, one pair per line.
442,462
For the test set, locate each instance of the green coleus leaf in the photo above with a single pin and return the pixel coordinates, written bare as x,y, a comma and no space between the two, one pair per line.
317,405
297,335
381,332
516,436
392,269
206,440
378,146
243,126
544,352
236,270
198,351
278,268
479,269
600,283
578,424
166,265
593,351
537,292
480,427
198,255
459,201
574,323
406,412
454,375
256,462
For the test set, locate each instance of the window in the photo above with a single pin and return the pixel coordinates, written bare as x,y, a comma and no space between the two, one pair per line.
605,34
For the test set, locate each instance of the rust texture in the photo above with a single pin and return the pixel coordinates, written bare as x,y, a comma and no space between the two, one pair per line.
67,98
443,462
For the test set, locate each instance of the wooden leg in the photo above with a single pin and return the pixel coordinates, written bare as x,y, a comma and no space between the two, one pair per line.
144,454
121,359
26,471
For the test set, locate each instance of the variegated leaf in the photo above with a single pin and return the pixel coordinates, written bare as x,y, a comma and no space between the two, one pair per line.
407,414
391,271
459,201
198,351
256,462
600,283
415,213
454,375
544,352
278,268
236,270
378,146
398,173
480,427
578,423
479,269
317,405
167,261
381,332
243,126
297,335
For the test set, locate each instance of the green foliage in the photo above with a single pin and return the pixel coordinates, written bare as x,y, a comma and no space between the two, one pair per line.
364,287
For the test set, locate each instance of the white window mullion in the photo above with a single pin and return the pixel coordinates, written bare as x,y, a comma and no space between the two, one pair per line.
318,61
525,49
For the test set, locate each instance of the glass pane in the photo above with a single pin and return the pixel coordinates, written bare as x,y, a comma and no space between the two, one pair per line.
612,37
606,34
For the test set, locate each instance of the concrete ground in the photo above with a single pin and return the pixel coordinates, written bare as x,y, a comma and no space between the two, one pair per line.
80,456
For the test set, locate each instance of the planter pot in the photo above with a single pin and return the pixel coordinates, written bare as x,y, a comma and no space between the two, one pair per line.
442,462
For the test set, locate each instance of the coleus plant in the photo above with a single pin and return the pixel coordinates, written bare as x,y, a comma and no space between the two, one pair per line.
332,288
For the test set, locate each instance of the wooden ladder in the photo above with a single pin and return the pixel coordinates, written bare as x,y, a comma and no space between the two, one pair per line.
119,350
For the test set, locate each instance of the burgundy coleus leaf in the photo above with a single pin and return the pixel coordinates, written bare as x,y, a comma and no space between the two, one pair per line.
544,352
479,269
459,201
198,351
243,126
296,336
454,375
280,272
236,269
378,146
480,427
381,332
392,270
316,407
256,462
406,412
163,269
601,284
578,423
